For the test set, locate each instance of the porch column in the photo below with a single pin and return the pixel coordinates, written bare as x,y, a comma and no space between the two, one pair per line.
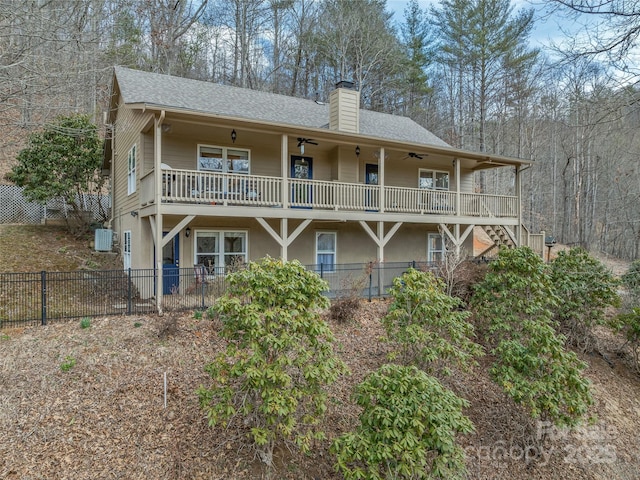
456,162
381,179
519,205
157,240
284,170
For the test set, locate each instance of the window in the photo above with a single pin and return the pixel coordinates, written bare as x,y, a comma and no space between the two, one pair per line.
433,179
126,249
222,159
131,172
326,250
435,247
218,250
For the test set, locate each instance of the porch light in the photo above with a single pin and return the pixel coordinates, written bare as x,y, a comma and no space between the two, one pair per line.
187,232
357,151
234,135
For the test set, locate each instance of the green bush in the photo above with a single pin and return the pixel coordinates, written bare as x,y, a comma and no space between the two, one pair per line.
531,364
629,324
631,282
407,429
279,357
585,289
85,323
427,324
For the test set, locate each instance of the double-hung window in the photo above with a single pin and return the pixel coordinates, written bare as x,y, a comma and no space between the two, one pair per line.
131,171
326,251
219,250
435,247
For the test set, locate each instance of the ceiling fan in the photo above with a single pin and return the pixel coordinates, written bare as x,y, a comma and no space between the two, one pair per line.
418,156
302,141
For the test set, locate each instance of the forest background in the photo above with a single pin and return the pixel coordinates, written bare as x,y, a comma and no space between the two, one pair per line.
465,69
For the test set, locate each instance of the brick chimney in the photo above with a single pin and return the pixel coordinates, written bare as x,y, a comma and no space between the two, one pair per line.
344,108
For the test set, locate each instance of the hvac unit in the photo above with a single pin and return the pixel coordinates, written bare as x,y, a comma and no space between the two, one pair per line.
103,240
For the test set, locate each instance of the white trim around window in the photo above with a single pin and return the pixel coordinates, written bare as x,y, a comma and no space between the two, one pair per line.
126,249
433,179
435,247
326,251
212,158
132,166
218,250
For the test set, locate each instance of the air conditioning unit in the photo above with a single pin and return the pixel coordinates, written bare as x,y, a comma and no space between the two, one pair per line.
103,240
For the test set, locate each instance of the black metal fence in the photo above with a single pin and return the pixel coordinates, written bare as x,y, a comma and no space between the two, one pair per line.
38,298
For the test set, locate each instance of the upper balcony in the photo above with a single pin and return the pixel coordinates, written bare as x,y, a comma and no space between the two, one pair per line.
225,189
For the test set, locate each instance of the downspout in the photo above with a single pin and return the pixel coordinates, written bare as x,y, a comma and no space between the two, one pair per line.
157,174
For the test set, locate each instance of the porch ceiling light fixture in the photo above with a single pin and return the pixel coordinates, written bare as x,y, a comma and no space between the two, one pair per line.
234,135
187,232
134,213
357,151
166,127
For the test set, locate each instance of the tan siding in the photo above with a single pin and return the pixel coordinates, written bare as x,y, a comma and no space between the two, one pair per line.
128,126
466,181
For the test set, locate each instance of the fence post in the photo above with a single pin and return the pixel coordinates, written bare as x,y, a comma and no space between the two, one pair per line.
43,296
203,286
129,294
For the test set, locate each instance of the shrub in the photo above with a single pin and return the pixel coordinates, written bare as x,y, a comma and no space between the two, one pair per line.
407,428
629,324
585,288
631,281
425,322
85,323
279,358
531,365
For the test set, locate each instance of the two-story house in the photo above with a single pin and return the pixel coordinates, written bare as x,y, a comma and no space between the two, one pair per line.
211,174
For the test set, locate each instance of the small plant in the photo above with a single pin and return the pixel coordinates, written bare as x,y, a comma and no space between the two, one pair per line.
137,324
427,325
68,364
168,325
345,307
85,323
4,337
407,429
197,314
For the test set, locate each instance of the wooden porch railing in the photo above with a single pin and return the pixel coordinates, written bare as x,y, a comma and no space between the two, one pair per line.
189,186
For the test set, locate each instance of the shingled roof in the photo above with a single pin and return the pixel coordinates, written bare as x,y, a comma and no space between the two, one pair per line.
165,91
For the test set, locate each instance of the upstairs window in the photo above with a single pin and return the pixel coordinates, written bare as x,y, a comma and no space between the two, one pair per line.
222,159
131,171
433,179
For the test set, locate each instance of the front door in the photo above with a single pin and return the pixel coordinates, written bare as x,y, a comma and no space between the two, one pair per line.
371,178
170,266
301,193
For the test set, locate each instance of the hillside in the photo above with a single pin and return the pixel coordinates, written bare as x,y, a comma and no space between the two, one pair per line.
105,416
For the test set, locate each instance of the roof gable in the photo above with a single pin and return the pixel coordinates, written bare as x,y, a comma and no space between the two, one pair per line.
198,96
